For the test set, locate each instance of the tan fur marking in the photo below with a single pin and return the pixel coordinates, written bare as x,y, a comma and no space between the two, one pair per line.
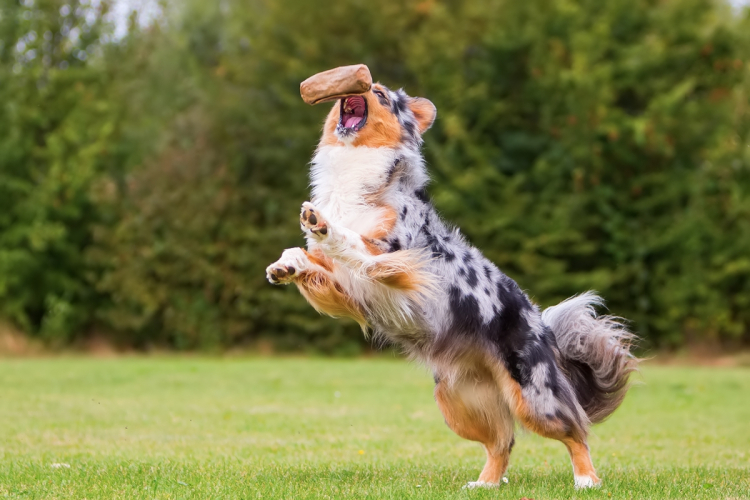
382,128
319,258
581,458
554,429
371,246
403,277
385,225
514,395
495,467
327,296
399,279
329,127
387,222
461,419
399,276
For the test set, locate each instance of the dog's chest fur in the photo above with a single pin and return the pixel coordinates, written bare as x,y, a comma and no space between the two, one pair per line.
344,181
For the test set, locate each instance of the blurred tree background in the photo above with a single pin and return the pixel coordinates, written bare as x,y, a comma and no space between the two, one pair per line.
147,178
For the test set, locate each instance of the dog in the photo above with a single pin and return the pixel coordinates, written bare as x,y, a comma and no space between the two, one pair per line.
378,252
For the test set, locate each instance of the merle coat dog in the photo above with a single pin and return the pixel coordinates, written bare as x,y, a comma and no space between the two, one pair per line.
378,252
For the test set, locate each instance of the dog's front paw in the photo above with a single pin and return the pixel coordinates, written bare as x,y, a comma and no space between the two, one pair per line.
312,221
292,262
583,482
472,485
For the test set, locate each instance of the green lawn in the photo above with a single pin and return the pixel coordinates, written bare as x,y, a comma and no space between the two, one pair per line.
318,428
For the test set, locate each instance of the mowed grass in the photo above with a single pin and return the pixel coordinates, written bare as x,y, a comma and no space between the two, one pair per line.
320,428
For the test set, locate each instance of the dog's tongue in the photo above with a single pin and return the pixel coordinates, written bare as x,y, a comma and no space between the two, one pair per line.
356,106
351,120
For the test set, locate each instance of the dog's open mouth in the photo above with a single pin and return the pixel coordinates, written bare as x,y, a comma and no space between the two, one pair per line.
353,113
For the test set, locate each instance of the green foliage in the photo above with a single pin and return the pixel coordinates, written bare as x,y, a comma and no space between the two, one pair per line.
146,181
55,127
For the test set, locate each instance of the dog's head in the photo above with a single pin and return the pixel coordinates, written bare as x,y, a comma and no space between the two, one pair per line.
378,118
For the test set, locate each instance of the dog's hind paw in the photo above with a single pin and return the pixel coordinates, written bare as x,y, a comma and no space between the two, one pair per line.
312,221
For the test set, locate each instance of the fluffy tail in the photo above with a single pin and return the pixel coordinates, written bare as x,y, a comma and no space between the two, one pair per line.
595,352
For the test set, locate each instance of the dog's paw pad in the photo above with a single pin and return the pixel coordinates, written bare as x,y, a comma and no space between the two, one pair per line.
312,221
280,274
288,267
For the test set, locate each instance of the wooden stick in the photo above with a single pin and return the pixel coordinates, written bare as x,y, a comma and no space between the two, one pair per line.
336,83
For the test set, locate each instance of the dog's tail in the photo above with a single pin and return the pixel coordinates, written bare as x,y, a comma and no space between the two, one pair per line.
595,352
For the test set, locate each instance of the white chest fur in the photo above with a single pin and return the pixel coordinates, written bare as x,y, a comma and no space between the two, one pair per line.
343,177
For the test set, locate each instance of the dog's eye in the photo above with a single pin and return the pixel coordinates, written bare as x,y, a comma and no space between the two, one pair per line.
380,95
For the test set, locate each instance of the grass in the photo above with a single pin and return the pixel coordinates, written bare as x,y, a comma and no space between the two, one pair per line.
315,428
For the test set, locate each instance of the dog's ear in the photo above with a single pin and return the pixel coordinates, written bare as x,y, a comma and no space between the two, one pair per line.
424,111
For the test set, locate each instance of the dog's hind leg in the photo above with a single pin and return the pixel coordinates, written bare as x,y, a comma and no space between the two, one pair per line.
584,473
545,405
474,409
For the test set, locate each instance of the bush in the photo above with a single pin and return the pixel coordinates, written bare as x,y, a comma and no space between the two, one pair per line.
579,144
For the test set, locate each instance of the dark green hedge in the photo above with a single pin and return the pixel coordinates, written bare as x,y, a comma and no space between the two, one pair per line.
147,180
